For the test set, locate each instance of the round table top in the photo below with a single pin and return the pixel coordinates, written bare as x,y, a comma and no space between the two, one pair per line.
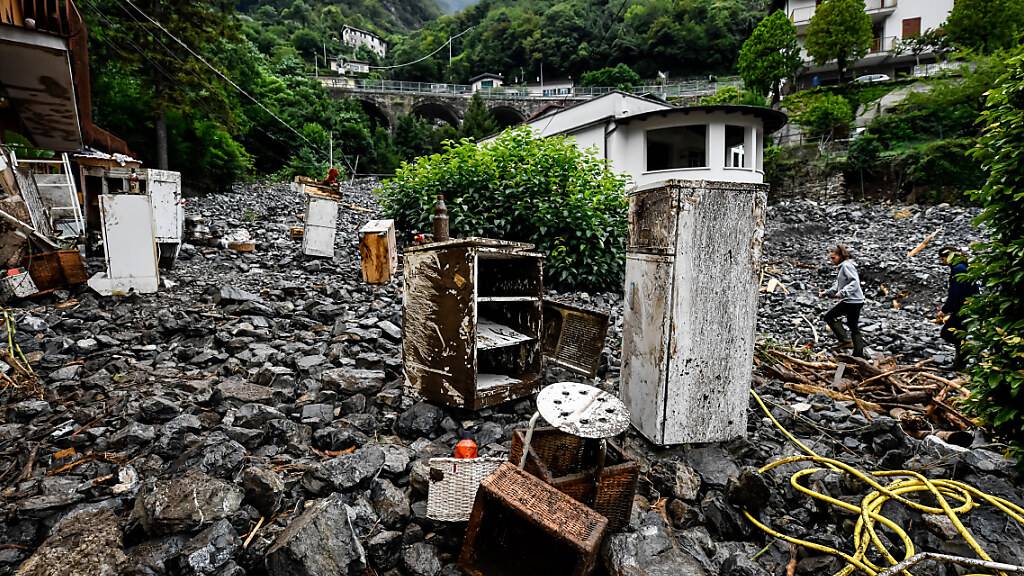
582,410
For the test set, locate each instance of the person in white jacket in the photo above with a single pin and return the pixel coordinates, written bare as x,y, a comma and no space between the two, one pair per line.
848,291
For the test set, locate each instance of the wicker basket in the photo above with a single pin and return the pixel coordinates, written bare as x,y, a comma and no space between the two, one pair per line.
453,486
520,525
567,462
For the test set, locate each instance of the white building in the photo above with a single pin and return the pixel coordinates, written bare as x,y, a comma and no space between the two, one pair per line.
652,141
485,81
355,38
349,67
551,88
891,20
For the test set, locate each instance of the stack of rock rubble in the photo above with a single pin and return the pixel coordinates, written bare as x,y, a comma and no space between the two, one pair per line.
251,419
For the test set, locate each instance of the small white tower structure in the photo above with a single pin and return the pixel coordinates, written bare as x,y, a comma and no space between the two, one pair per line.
696,223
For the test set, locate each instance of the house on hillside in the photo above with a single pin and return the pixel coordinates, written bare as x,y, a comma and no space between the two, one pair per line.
892,21
346,67
552,88
650,140
486,81
354,37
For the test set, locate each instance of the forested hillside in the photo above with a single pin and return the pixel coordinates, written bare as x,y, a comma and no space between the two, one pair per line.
680,37
177,111
327,17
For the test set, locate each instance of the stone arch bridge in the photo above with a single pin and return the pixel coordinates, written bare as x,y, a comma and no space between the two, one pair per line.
385,101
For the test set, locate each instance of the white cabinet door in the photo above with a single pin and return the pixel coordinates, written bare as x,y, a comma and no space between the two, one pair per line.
321,222
130,245
168,213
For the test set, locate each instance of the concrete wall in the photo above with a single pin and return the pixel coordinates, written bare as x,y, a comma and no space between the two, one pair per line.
933,13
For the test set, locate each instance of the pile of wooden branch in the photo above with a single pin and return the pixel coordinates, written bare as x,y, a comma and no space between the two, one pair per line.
915,394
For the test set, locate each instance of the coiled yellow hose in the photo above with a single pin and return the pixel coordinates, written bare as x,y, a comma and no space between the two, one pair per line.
865,535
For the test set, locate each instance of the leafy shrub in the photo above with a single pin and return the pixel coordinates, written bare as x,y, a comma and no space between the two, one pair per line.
942,165
825,115
620,76
733,95
995,318
540,190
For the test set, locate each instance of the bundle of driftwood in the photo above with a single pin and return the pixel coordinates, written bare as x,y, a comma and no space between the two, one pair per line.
915,394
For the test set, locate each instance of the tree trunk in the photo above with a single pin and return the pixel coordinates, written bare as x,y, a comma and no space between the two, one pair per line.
841,64
776,93
161,140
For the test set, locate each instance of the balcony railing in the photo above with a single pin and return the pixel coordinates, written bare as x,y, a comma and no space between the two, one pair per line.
802,16
58,17
883,45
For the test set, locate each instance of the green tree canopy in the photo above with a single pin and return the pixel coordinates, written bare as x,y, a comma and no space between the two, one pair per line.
840,31
478,121
771,54
986,25
995,318
619,76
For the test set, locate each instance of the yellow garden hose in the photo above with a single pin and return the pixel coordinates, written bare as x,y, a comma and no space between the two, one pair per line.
865,535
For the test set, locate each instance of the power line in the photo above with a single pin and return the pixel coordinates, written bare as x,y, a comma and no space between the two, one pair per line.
441,47
232,83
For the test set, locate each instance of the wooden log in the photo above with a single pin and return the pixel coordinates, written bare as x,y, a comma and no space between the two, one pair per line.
810,389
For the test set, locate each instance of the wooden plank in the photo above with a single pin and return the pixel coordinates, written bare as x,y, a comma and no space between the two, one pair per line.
438,335
378,251
491,335
486,382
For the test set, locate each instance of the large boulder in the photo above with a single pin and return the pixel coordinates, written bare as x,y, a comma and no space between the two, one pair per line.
83,544
185,503
319,542
650,551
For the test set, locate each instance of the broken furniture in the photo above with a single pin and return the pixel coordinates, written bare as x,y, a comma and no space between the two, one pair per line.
453,486
692,263
321,216
129,239
520,525
102,176
48,189
476,330
573,456
55,270
378,251
570,464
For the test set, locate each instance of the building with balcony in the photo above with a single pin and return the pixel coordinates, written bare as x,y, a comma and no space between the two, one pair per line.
891,21
45,91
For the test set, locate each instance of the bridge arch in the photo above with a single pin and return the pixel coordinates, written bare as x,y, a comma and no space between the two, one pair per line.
437,110
507,116
378,114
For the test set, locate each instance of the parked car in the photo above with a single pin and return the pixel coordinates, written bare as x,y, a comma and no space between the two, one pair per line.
872,78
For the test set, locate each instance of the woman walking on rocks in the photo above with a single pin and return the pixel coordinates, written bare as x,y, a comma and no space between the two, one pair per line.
847,289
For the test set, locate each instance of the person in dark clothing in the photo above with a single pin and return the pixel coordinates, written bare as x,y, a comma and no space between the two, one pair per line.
847,288
960,289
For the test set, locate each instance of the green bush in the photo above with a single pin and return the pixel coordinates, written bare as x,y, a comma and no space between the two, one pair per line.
995,318
733,95
620,76
827,115
540,190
